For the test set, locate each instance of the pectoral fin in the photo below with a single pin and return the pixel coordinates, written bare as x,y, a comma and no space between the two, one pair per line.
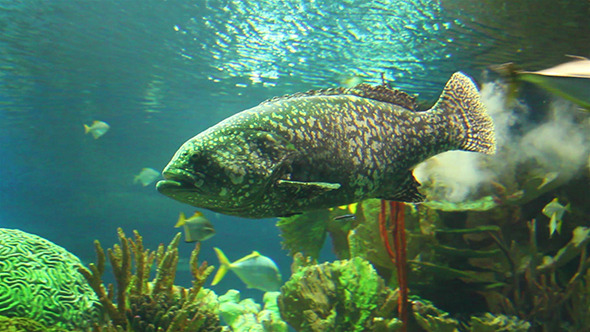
299,189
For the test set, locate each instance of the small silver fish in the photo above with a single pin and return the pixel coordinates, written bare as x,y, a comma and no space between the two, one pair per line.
255,270
97,128
554,211
345,217
146,176
196,228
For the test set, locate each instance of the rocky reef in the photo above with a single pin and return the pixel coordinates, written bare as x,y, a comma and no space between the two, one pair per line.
246,315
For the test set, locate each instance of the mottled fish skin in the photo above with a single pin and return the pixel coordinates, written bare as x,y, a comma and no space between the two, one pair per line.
323,149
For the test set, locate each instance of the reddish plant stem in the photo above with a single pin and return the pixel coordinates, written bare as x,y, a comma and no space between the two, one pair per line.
398,258
383,231
397,218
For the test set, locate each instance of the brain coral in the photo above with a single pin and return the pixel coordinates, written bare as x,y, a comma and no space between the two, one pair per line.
39,280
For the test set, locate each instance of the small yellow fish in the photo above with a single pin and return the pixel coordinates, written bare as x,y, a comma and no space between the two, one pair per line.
97,128
554,211
146,176
351,81
350,207
255,270
196,228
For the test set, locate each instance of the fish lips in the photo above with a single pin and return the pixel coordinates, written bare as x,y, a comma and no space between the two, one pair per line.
175,182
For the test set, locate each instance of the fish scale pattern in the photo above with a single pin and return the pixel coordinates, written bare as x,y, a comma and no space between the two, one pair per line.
39,280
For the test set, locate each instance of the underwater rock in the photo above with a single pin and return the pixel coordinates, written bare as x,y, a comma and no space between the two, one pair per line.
345,295
246,316
39,280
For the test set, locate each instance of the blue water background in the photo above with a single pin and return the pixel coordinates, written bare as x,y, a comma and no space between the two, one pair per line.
159,72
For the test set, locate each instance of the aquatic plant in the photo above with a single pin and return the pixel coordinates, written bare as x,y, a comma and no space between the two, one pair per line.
497,323
158,305
432,319
305,233
538,291
245,315
345,295
490,255
516,270
39,280
397,223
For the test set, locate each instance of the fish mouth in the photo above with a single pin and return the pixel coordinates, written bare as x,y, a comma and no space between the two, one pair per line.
176,180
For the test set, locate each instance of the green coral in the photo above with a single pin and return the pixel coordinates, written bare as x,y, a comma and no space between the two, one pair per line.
21,324
158,305
246,316
345,295
39,280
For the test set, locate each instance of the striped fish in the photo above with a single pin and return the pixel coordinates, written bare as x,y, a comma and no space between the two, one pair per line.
325,148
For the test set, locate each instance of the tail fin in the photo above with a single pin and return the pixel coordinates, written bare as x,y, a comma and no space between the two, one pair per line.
460,100
86,129
223,268
181,220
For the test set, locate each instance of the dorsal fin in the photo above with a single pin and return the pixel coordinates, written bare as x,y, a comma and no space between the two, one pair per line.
376,92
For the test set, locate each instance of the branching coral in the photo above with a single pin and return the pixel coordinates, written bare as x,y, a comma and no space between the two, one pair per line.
157,305
344,295
38,280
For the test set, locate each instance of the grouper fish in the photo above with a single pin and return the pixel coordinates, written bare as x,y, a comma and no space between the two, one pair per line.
324,148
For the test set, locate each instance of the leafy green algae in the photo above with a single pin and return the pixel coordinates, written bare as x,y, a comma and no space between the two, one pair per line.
345,295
